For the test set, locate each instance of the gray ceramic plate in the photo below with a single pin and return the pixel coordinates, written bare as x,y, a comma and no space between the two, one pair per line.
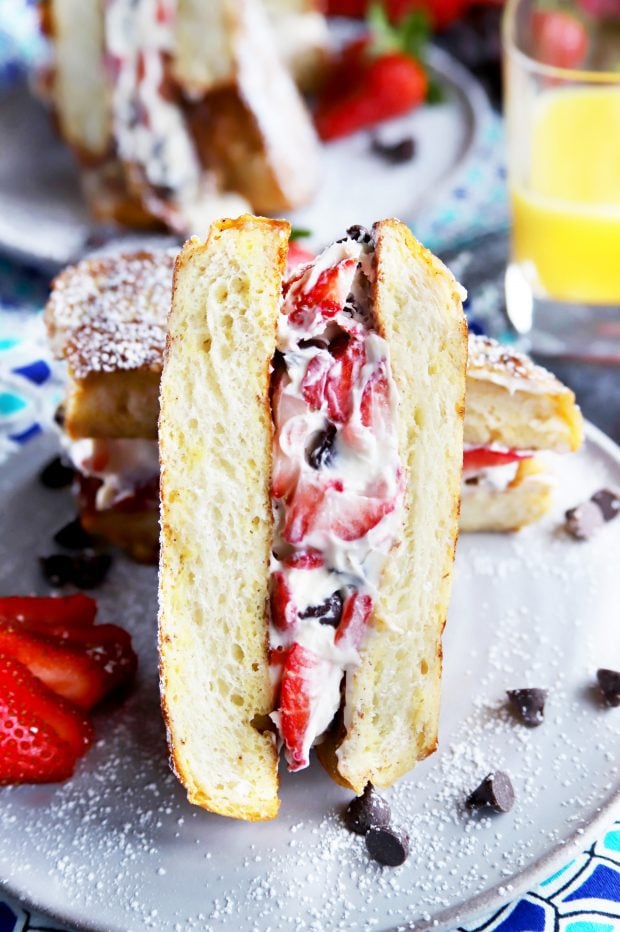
119,848
44,220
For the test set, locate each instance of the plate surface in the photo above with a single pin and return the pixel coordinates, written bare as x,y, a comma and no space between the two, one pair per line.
119,848
43,218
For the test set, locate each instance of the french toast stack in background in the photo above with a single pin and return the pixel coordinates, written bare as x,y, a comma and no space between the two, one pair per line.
180,112
515,410
107,319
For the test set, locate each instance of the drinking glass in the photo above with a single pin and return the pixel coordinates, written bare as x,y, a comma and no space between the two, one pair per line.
562,104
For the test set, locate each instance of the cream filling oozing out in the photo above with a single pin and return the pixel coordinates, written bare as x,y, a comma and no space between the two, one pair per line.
492,478
121,465
343,504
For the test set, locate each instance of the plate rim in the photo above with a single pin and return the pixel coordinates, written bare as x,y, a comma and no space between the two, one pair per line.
443,921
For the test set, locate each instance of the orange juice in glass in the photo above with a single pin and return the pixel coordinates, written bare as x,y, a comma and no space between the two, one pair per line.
562,92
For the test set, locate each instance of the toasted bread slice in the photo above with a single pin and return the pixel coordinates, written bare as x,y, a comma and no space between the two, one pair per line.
392,699
514,402
526,500
107,318
215,446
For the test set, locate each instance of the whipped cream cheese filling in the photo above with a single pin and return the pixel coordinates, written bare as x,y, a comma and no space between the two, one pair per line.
494,478
123,466
150,127
337,485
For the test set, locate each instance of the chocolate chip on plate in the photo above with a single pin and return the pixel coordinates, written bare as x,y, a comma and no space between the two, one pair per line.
495,791
328,612
359,233
609,684
73,536
370,810
388,846
86,571
395,153
322,452
609,503
90,569
57,569
529,705
583,520
58,474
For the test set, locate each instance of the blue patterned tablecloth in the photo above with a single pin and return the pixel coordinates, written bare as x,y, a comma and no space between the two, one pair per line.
584,896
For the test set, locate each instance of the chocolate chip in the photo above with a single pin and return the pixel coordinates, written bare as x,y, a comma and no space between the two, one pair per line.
57,569
59,416
529,705
359,233
387,846
370,810
583,520
609,684
322,452
395,153
495,791
73,536
90,570
58,474
86,571
608,502
328,612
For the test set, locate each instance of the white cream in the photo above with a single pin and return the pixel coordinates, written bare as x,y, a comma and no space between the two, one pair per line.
362,478
493,478
121,465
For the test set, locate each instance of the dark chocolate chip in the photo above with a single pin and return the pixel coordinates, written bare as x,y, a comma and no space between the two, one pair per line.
90,569
86,571
529,705
608,502
328,612
394,152
609,684
367,811
583,520
59,416
322,452
58,474
359,233
57,569
495,791
73,536
387,845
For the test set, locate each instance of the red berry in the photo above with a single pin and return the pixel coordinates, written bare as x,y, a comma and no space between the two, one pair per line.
38,613
481,458
296,700
356,613
375,403
283,610
305,560
559,38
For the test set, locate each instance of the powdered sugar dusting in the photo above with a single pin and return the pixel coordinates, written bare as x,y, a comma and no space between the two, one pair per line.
110,313
120,848
496,362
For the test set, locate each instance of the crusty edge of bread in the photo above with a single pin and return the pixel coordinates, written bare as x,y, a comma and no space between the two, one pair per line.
199,791
345,754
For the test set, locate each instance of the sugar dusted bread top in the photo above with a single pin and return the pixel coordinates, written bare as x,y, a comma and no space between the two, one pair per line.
109,314
513,402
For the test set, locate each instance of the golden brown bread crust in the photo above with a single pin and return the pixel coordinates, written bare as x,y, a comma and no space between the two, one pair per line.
137,533
214,637
389,730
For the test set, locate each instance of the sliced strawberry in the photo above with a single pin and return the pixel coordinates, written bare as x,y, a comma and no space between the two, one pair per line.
297,255
326,298
305,560
283,609
277,656
37,613
110,648
313,382
296,702
69,672
559,38
356,613
304,508
375,403
350,356
350,517
482,458
18,684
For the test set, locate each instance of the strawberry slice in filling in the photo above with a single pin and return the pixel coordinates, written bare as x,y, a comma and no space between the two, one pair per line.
493,468
337,486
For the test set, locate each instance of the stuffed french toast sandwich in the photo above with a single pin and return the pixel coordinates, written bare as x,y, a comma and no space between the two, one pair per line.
311,438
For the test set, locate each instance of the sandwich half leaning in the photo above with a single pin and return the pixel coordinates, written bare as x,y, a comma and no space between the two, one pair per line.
310,445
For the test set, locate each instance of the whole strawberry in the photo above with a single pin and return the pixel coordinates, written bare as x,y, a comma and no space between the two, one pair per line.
375,78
